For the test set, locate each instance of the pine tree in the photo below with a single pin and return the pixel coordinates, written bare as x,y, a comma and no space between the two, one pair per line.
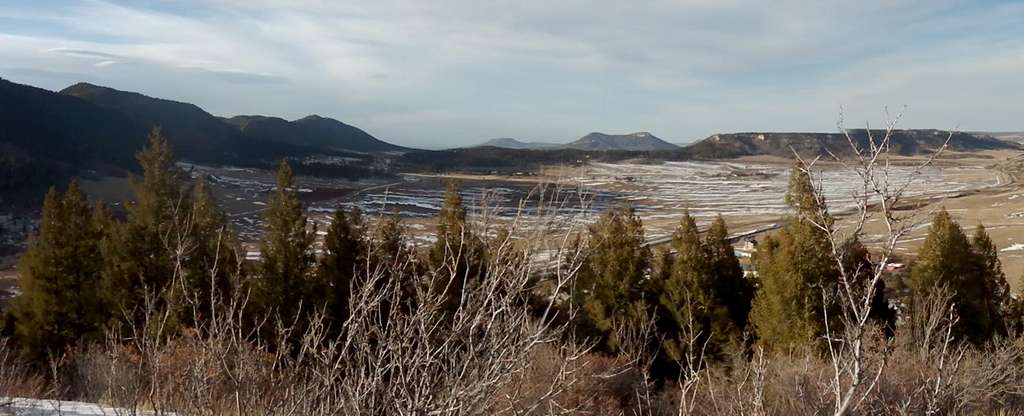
996,299
857,262
796,274
610,282
458,256
137,253
286,287
60,275
343,264
970,270
212,269
732,289
390,256
687,308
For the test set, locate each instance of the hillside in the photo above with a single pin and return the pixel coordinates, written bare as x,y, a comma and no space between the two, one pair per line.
46,137
193,131
641,141
202,137
904,142
312,131
1010,136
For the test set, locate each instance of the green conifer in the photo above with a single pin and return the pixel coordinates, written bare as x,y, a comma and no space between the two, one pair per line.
970,270
286,286
457,258
212,268
732,289
342,264
796,274
610,282
137,253
996,298
60,275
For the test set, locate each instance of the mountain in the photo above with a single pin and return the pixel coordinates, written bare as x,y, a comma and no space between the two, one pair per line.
244,140
510,143
46,137
903,142
193,132
642,141
312,131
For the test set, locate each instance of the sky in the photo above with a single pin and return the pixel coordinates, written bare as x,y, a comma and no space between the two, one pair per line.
445,73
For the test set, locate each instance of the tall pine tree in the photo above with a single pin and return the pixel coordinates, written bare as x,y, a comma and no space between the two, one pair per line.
970,270
60,275
609,285
286,287
343,264
732,289
137,253
212,273
458,257
796,274
996,299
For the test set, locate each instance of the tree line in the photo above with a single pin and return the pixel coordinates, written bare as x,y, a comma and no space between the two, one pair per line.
89,275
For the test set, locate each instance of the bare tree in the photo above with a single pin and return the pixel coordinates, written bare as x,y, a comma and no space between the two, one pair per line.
879,196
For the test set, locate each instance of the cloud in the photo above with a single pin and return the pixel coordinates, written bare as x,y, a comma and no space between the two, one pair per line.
81,53
461,71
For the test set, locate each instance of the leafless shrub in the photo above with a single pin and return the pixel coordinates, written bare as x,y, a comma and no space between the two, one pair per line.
16,378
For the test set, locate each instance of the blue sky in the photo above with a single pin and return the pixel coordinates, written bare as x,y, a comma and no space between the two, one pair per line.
449,73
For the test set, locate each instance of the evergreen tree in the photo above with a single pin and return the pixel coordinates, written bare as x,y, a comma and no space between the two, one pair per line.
857,262
212,268
60,275
609,284
391,256
969,269
457,258
286,286
996,300
732,289
137,253
796,274
688,315
342,264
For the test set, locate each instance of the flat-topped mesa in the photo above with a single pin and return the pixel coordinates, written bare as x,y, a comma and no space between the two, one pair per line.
783,144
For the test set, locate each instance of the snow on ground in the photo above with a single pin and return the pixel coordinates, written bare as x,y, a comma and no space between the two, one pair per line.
1015,247
37,407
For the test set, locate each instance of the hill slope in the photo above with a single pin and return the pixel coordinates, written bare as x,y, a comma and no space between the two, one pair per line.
904,142
312,131
246,140
642,141
46,136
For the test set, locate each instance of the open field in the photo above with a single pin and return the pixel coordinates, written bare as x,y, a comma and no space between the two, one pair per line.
749,192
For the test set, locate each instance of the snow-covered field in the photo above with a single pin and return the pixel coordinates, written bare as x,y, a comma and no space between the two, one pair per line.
710,188
35,407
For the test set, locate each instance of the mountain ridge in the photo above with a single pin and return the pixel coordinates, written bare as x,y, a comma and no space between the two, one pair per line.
594,141
639,141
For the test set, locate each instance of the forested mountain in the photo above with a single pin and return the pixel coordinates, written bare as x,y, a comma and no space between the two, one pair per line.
312,131
46,136
201,136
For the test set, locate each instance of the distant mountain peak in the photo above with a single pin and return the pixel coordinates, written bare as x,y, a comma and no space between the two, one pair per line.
511,143
638,141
